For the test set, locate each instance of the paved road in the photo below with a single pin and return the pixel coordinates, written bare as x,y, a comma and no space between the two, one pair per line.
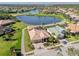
22,43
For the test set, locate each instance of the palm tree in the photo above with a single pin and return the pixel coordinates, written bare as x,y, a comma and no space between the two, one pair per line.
7,37
52,40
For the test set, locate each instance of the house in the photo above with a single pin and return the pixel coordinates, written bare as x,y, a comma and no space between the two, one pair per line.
57,32
74,28
38,35
69,13
73,17
6,22
76,18
61,10
4,29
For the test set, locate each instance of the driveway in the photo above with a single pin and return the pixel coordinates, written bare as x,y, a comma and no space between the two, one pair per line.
44,52
76,45
39,49
38,46
52,52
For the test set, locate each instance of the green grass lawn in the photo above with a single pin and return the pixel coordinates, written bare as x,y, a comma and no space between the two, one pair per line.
27,42
6,45
17,36
18,27
72,38
60,16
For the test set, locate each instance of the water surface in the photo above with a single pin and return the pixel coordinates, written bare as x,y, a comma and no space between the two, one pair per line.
36,20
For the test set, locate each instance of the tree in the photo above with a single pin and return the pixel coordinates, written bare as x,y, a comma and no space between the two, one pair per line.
12,49
52,40
73,52
7,37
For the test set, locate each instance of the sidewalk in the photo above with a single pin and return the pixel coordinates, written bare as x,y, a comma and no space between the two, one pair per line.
22,43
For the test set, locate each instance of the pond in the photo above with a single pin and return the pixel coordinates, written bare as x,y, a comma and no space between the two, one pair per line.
37,20
34,11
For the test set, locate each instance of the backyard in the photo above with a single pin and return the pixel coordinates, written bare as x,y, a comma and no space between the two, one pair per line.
18,27
6,45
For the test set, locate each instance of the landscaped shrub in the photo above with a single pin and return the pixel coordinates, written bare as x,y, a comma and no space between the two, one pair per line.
73,52
46,44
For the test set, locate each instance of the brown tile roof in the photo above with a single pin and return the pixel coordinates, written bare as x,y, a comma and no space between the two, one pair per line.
4,22
37,34
73,27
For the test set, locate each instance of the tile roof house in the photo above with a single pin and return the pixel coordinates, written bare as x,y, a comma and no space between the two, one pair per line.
73,17
76,18
38,35
69,13
61,10
6,22
3,29
74,28
57,31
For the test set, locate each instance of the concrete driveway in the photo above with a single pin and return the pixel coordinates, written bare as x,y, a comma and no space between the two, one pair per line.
38,46
39,49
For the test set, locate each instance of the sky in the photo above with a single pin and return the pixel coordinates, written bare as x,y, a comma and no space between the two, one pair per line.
39,2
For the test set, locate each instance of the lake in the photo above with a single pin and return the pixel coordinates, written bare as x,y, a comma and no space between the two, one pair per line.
35,11
37,20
